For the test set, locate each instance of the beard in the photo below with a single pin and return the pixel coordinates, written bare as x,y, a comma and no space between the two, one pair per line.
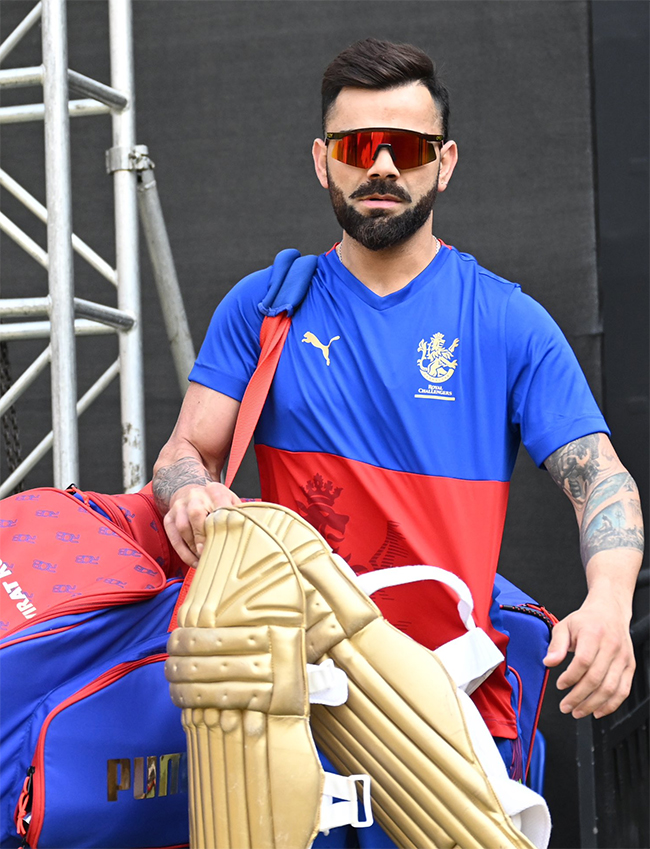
380,229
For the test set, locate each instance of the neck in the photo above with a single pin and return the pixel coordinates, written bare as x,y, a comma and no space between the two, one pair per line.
389,270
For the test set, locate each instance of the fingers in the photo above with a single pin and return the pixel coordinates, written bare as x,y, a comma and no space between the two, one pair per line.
560,644
622,692
600,674
178,543
185,521
600,687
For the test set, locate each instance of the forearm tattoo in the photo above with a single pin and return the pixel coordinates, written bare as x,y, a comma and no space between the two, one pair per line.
612,517
168,479
606,502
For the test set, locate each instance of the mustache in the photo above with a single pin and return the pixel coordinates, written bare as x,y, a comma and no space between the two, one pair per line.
381,187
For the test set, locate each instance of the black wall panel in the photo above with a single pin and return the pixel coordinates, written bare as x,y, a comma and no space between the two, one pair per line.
228,103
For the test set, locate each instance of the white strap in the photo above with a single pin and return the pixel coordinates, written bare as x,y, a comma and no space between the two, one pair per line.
328,685
394,576
346,811
527,809
469,659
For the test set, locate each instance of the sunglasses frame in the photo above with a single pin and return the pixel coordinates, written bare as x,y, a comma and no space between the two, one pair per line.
426,136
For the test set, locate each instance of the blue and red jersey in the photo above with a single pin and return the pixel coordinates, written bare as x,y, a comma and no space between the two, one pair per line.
393,424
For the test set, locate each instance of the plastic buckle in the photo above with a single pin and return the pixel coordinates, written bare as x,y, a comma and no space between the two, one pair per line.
365,802
345,811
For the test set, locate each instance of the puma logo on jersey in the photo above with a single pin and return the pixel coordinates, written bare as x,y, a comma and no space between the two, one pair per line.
311,339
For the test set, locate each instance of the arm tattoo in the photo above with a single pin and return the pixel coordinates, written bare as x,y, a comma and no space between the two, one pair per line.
604,491
187,470
607,503
612,517
575,466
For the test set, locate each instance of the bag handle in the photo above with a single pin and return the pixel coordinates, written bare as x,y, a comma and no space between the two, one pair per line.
272,337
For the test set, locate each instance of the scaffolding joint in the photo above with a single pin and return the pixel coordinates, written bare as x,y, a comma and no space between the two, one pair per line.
134,158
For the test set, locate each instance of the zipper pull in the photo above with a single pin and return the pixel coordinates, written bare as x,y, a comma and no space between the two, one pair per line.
23,813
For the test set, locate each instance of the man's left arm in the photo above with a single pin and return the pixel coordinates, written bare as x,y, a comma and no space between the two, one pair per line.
606,502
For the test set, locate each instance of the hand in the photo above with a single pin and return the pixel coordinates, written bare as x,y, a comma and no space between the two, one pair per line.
185,520
600,675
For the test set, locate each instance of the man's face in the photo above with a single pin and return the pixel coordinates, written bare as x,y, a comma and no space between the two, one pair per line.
381,225
383,206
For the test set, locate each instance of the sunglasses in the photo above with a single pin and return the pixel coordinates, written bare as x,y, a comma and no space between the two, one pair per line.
359,148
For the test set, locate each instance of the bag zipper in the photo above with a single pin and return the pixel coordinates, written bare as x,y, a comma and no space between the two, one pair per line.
158,519
30,808
49,633
63,628
118,517
533,610
89,604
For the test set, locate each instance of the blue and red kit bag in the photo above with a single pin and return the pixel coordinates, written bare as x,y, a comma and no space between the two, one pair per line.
92,748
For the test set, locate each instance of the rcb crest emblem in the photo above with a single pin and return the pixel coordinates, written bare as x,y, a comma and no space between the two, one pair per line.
436,363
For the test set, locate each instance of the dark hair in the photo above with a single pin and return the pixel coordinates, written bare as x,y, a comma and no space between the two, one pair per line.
380,65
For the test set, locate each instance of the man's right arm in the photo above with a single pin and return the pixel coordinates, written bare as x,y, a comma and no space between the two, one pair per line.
186,474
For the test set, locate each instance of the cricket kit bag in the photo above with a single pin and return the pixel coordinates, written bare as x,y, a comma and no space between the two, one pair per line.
92,751
528,626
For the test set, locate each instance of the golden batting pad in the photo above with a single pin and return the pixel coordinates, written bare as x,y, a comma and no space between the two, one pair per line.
237,668
402,723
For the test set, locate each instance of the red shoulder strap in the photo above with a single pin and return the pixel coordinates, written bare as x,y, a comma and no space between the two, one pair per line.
272,335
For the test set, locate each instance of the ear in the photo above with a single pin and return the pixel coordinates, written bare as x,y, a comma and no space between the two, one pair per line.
319,153
448,161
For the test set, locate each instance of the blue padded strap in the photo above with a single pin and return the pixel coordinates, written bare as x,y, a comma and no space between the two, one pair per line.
290,279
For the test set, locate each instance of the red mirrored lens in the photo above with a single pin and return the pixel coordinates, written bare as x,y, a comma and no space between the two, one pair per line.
409,150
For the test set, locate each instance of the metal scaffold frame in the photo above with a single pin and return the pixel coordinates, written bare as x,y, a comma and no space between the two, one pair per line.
66,316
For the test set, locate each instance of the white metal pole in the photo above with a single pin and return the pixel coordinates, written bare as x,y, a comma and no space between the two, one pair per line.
20,32
126,244
36,111
171,300
46,443
92,258
59,243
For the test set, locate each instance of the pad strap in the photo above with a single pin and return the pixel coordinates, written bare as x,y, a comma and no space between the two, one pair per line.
395,576
328,685
345,811
470,658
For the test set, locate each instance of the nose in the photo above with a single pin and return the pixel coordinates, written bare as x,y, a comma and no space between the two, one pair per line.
383,166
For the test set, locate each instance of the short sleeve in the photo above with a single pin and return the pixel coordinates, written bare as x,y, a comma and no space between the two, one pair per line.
550,401
231,347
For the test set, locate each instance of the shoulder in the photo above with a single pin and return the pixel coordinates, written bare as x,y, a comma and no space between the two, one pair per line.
469,269
527,317
279,287
522,311
248,292
237,318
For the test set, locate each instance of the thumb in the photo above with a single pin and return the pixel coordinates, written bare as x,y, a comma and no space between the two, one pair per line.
559,645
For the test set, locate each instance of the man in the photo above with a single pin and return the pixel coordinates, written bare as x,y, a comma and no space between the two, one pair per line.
409,376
